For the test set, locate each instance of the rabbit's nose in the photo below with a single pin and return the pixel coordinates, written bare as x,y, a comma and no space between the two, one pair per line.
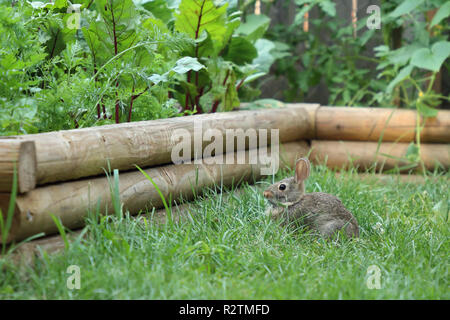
268,194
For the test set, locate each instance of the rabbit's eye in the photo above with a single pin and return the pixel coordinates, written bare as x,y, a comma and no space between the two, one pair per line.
282,187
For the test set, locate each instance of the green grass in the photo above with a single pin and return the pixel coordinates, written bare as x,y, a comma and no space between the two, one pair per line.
230,250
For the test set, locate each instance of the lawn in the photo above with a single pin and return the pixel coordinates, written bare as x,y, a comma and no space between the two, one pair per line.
230,250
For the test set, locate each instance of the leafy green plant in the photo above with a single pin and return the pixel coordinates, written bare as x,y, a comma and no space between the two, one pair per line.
335,60
95,62
20,55
412,68
224,56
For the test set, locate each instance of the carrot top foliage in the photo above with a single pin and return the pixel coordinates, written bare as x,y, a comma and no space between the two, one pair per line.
68,65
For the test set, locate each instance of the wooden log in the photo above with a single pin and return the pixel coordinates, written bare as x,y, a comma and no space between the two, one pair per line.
369,124
345,154
72,200
72,154
365,124
311,109
27,252
22,155
437,129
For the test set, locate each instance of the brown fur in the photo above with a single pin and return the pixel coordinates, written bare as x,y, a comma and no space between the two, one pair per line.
317,211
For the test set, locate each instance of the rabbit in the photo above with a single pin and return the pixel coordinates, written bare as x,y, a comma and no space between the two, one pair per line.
321,212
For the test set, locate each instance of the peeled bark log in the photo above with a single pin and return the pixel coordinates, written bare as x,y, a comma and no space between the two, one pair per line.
369,124
22,155
73,154
311,109
437,129
25,253
365,124
71,201
345,154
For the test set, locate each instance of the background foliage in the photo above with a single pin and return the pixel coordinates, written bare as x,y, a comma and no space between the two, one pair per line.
69,65
74,64
400,71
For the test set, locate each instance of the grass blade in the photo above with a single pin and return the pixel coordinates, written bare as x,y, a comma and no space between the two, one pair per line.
61,230
168,210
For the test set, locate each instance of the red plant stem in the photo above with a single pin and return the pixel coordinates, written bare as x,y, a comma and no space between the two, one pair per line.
73,118
133,98
131,104
54,44
240,84
226,77
197,98
186,103
215,105
96,80
116,51
104,109
117,106
98,111
198,27
89,4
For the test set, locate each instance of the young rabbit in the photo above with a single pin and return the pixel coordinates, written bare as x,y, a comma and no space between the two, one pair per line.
318,211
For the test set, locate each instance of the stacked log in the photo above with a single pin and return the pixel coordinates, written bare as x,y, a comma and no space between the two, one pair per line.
71,201
63,173
73,154
376,124
378,138
367,155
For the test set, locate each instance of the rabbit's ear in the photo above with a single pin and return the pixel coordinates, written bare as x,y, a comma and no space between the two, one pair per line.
302,169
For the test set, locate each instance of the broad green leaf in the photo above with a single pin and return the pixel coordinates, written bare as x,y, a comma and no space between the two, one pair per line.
159,8
405,7
197,16
157,78
254,76
400,56
442,13
431,59
186,64
205,45
120,16
233,23
425,110
39,4
406,71
63,4
264,59
264,103
215,94
254,27
241,51
280,50
231,99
